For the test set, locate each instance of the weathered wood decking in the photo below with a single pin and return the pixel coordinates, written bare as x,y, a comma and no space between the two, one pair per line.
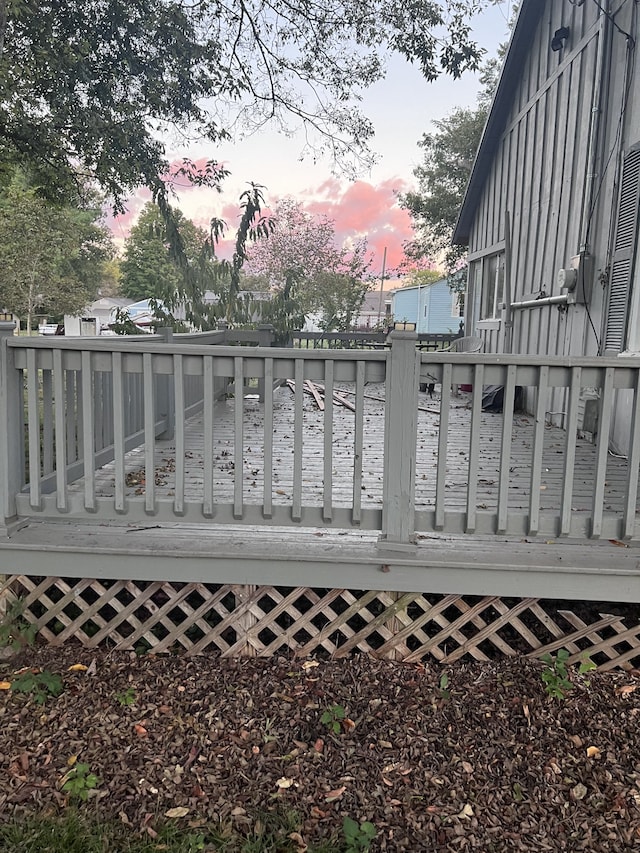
125,459
373,453
439,563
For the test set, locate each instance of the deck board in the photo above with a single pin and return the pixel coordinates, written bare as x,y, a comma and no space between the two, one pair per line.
372,464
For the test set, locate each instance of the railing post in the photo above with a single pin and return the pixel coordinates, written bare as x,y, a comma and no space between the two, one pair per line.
165,399
11,430
400,439
266,337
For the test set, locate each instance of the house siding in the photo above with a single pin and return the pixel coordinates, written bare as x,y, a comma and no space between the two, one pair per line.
429,306
539,175
553,154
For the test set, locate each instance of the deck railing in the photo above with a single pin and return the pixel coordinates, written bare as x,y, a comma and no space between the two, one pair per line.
70,407
431,341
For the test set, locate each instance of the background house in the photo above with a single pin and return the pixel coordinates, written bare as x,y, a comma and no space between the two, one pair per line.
432,307
95,317
375,310
550,215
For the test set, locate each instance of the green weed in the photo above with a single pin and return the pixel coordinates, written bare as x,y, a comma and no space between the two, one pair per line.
16,632
357,836
79,781
40,685
332,718
555,675
127,697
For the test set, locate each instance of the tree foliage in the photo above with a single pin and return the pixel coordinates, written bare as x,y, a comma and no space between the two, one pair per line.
95,87
51,258
148,269
448,154
300,258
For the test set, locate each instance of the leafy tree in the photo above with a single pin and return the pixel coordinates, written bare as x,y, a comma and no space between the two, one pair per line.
300,246
111,278
50,257
148,269
428,276
91,88
300,257
448,156
340,300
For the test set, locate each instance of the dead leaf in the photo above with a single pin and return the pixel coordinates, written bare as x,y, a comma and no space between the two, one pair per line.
140,730
335,794
593,751
618,543
467,811
5,685
625,689
71,760
298,839
468,768
178,811
78,667
319,745
579,791
309,664
283,782
348,724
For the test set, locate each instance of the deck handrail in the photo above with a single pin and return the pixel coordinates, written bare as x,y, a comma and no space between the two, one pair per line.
69,407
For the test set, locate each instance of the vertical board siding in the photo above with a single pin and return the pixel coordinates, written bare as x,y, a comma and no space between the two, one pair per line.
540,172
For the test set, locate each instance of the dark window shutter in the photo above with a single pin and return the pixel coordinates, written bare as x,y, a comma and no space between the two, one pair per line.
623,253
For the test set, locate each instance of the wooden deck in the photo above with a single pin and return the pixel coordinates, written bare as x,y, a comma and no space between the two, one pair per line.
373,453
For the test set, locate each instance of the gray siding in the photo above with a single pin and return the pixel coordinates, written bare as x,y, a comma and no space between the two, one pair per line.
540,175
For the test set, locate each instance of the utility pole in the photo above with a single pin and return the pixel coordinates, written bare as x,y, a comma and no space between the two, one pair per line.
384,264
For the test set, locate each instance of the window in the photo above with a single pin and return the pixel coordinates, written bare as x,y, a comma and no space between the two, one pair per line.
492,286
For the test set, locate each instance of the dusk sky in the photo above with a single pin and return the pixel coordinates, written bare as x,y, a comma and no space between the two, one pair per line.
401,107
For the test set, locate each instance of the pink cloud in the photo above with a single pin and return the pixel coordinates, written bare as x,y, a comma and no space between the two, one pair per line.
358,210
367,210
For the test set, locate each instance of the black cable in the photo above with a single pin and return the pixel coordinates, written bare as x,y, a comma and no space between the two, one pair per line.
608,15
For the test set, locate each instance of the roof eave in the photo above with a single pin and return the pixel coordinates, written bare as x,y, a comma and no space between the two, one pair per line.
529,13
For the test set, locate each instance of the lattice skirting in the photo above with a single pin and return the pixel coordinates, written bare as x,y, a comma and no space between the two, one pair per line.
261,621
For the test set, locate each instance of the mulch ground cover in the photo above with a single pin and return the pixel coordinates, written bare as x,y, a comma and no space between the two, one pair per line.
474,757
